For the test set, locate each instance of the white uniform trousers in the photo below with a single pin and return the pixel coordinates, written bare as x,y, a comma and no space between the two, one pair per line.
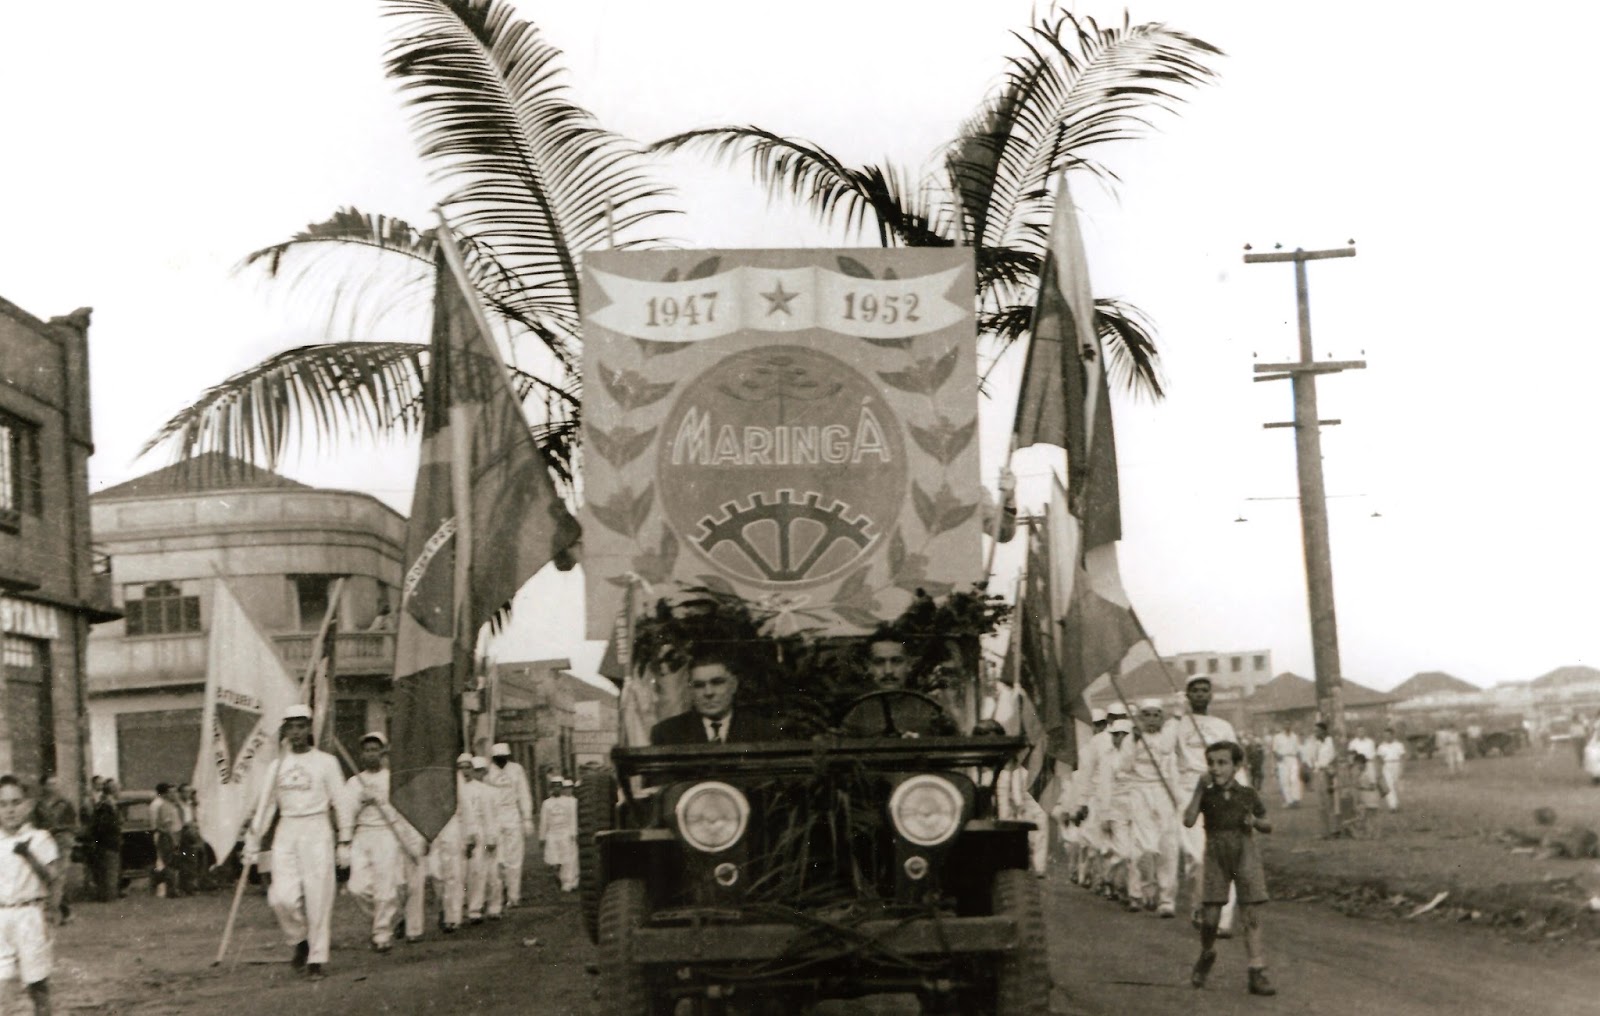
447,865
480,867
1191,842
1289,779
303,884
1391,780
505,879
376,878
1150,815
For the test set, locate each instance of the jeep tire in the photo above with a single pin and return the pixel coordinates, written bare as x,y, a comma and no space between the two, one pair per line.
597,796
624,985
1022,975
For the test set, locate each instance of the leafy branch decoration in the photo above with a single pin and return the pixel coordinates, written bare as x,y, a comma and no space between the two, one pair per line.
632,391
621,445
623,512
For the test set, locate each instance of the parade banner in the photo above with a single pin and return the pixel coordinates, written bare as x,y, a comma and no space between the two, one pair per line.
794,427
247,690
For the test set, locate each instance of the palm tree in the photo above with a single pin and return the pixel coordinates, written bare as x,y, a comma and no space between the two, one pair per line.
532,179
1072,89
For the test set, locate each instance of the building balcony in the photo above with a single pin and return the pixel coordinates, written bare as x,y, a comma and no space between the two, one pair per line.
355,653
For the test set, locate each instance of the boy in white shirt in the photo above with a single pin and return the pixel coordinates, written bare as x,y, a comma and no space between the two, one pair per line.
29,866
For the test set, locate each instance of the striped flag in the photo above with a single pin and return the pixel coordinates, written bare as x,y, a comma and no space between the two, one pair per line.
462,565
1064,401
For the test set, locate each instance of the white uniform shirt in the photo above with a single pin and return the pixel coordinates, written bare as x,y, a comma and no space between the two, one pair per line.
1365,745
376,786
19,883
558,818
1144,767
1391,751
1189,746
513,801
1285,744
477,798
1322,754
308,784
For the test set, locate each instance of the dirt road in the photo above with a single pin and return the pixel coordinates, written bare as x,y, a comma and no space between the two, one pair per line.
1113,962
147,957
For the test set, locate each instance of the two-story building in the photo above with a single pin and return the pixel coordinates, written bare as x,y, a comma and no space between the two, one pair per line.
51,589
177,532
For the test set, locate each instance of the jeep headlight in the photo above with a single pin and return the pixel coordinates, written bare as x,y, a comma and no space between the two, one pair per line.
712,816
926,809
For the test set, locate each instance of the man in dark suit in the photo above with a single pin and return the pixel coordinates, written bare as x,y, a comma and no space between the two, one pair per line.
712,718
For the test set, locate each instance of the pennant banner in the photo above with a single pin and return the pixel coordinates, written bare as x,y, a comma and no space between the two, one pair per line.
776,300
247,690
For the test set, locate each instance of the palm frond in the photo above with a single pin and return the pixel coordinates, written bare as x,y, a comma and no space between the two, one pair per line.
535,178
1074,87
326,391
320,390
1128,336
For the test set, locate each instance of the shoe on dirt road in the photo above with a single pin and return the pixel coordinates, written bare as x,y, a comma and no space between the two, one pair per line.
314,972
301,951
1259,985
1202,967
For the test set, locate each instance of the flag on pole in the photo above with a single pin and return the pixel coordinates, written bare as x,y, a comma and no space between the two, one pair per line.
247,690
479,455
1064,401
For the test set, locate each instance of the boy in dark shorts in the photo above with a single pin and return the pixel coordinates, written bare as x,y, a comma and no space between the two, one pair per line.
1233,812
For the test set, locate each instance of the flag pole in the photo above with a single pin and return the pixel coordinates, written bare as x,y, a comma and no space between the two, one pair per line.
999,515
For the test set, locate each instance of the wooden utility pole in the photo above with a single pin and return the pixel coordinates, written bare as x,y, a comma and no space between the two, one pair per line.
1302,376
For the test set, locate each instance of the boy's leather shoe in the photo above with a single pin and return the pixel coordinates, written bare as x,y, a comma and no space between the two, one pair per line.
1202,967
1259,985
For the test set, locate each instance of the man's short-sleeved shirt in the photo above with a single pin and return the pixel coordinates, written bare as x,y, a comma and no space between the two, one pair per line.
19,883
1226,808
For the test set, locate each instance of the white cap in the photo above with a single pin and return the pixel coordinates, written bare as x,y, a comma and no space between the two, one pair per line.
375,735
1097,715
1116,709
500,748
479,762
1149,703
297,713
1121,726
463,757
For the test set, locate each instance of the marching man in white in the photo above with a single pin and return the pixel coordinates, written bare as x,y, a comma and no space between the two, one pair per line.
558,825
304,786
513,817
1286,747
1147,764
380,875
450,854
480,862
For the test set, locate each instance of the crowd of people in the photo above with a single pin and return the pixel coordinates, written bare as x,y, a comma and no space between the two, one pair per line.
327,824
1129,820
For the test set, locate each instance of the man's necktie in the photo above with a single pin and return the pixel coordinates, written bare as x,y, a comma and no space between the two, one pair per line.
716,730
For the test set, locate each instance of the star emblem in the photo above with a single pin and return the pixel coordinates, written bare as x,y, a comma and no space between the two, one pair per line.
779,300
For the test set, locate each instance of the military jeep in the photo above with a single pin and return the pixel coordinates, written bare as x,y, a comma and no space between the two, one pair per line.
768,877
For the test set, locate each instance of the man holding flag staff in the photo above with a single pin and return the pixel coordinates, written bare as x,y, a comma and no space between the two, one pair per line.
304,786
378,872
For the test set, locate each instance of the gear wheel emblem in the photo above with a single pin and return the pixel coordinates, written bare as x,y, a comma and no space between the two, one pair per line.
782,538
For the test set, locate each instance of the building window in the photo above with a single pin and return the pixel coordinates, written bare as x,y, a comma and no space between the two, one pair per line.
1211,665
1190,667
1258,662
21,477
29,718
1236,663
161,608
311,598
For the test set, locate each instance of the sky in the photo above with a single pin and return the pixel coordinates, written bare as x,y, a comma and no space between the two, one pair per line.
148,147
